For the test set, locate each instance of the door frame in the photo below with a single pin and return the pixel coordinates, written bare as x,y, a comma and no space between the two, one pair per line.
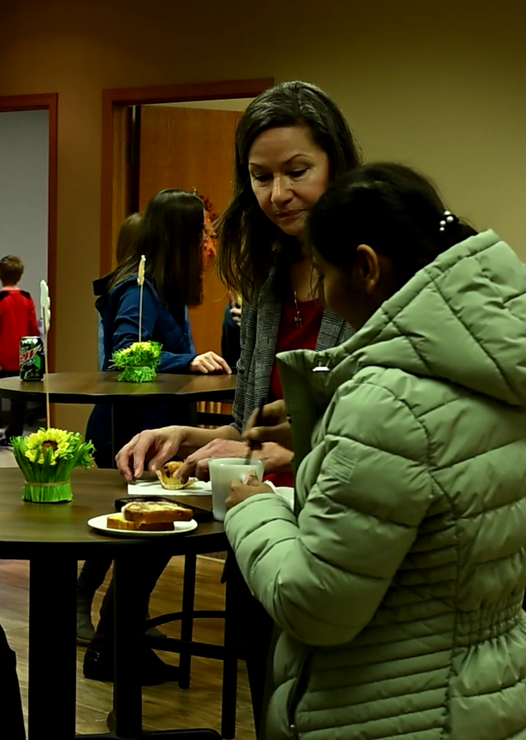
49,102
114,181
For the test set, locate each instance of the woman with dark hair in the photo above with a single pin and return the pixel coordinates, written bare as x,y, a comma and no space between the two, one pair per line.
291,142
170,235
397,581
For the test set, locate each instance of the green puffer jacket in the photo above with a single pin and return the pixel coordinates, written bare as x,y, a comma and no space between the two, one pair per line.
398,586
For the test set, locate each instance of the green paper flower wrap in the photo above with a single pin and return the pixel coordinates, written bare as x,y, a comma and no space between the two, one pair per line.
138,362
46,459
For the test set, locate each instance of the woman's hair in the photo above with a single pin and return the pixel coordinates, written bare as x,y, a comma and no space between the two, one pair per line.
125,239
170,235
249,243
11,269
392,209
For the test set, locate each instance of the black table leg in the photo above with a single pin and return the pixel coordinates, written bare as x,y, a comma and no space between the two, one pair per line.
228,708
52,648
127,692
187,620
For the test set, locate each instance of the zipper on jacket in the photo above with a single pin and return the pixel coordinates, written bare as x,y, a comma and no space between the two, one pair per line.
296,694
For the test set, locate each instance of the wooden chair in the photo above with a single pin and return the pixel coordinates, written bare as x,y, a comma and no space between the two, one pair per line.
187,647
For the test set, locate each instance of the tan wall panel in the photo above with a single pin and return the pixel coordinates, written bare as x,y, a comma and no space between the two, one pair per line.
440,86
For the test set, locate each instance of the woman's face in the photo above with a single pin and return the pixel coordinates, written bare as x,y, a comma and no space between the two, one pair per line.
288,173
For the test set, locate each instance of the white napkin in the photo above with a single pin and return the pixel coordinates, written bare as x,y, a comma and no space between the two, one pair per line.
153,487
286,493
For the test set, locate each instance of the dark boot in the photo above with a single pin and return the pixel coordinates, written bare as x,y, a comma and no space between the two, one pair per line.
98,661
99,666
85,628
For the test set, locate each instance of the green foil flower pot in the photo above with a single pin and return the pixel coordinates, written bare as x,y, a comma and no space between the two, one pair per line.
47,493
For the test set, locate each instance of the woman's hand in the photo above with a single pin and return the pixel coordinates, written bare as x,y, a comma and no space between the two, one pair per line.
209,362
197,463
241,491
273,426
277,459
156,445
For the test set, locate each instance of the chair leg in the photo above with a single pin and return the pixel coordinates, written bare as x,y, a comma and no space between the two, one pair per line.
229,698
187,620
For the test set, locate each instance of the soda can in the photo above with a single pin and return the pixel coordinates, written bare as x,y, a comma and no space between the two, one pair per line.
31,358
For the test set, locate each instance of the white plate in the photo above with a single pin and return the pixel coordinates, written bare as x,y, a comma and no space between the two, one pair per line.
99,523
154,488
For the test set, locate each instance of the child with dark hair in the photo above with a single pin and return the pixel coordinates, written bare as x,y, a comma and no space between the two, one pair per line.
123,249
231,331
17,320
397,581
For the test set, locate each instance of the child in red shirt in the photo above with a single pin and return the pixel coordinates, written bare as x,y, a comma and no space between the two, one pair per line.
17,319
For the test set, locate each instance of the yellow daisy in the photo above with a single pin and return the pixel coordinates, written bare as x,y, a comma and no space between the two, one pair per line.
37,445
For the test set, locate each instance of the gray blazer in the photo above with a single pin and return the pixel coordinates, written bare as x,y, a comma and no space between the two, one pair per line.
259,334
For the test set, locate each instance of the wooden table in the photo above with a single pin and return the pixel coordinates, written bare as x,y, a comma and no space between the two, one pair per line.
98,387
101,387
53,537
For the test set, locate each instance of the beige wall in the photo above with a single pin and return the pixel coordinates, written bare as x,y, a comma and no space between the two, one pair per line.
436,85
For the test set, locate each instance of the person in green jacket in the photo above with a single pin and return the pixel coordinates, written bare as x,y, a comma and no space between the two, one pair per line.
397,581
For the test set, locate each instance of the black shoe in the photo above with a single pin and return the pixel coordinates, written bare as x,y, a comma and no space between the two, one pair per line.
153,671
85,629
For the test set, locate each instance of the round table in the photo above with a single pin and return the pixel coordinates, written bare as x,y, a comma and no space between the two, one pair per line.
53,537
99,387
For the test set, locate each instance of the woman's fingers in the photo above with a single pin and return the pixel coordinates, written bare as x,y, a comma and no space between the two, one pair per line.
271,414
280,433
209,362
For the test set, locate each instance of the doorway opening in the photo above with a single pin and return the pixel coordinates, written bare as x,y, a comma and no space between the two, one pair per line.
28,103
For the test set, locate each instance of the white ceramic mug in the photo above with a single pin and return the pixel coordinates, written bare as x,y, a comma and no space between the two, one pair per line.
225,470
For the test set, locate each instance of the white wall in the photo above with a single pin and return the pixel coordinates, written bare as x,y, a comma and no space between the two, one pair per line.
24,151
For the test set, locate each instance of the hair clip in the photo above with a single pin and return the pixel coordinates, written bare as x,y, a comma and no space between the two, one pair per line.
449,218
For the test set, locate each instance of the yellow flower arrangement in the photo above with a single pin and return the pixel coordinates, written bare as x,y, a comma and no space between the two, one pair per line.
46,459
138,362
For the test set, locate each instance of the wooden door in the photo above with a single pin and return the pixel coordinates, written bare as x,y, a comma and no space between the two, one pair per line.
189,148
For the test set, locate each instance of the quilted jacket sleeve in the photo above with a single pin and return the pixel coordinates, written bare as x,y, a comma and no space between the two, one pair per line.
323,575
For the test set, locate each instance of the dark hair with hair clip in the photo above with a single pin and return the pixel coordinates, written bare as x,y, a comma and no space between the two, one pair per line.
170,234
249,243
392,209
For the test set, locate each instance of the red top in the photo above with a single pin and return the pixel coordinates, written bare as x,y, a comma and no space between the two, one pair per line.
17,320
291,336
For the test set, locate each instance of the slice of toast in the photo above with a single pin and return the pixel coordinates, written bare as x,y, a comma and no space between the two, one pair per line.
117,521
149,512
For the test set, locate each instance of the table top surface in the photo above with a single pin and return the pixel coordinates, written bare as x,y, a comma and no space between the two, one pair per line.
27,528
99,387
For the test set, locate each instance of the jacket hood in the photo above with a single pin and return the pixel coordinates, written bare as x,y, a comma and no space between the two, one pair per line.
460,320
100,290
